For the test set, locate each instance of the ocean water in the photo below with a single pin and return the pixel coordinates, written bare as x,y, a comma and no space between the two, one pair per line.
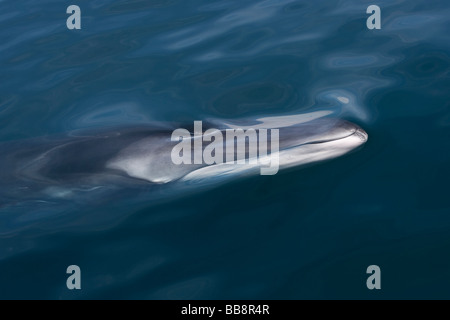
306,233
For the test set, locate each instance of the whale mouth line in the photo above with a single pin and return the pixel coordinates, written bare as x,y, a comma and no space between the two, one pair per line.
358,132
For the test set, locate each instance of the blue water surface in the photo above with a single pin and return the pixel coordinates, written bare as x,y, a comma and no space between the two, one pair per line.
302,234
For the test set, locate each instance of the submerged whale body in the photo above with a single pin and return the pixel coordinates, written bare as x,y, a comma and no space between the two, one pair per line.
73,165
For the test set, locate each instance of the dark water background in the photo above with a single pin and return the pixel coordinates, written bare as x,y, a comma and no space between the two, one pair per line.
308,233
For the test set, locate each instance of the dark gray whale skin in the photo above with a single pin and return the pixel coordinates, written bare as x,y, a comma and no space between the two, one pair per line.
27,167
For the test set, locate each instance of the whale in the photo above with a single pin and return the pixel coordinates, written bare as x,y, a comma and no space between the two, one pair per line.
84,164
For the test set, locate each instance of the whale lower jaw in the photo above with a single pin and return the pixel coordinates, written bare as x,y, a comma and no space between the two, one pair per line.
292,157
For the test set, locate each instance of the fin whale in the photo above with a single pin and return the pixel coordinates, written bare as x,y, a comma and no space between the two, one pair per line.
66,166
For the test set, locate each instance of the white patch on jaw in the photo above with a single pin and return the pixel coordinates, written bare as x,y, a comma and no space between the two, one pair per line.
149,159
137,167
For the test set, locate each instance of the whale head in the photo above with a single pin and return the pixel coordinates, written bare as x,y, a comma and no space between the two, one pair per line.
302,140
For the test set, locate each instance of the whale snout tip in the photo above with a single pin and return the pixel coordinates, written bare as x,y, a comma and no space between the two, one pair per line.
361,134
